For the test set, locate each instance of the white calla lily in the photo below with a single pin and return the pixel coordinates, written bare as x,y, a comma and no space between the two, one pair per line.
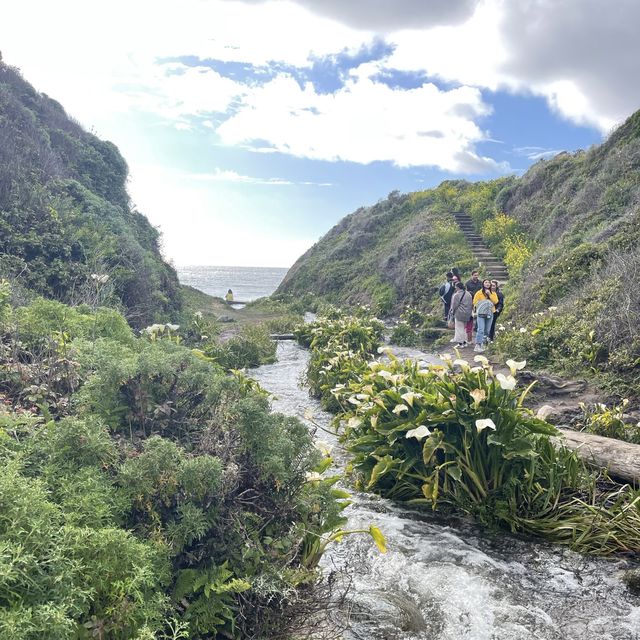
400,408
418,433
323,447
463,364
484,361
486,423
410,396
313,476
506,382
514,366
478,396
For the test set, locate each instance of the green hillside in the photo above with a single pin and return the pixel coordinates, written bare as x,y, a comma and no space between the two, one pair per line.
65,213
567,231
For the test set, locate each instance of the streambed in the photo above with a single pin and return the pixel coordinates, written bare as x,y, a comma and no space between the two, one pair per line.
445,579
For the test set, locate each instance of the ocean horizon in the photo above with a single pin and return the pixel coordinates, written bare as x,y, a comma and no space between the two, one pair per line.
247,283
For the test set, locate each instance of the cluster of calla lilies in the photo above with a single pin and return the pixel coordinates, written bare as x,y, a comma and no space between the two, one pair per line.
457,433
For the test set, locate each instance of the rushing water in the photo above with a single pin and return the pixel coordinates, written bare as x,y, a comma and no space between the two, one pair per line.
451,580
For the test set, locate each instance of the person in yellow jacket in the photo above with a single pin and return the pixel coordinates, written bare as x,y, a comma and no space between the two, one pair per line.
229,296
484,305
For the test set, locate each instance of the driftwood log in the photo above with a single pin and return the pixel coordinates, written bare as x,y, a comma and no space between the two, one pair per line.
620,459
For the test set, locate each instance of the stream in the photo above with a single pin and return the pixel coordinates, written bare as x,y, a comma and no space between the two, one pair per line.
448,579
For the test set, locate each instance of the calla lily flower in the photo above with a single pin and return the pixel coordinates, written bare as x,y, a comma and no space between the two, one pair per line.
478,396
173,327
463,364
354,422
400,408
313,476
484,361
323,447
410,396
486,423
516,366
523,330
506,382
418,433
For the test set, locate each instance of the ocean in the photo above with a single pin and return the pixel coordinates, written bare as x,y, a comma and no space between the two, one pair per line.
247,283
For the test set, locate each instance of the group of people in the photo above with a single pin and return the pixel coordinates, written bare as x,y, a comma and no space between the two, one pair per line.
476,304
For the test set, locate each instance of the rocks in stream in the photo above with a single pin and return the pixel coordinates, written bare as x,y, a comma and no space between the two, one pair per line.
632,579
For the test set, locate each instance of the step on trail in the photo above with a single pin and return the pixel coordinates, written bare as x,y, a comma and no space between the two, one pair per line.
490,265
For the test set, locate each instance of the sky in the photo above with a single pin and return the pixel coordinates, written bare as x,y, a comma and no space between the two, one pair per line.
251,127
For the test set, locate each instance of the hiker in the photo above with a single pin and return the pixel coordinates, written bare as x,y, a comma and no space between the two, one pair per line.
446,292
229,296
484,303
495,288
461,308
474,284
456,274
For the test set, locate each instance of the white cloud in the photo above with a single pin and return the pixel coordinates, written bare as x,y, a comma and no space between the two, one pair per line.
536,153
225,175
364,121
384,16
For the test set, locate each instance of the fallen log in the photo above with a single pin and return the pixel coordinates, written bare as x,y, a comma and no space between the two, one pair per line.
620,459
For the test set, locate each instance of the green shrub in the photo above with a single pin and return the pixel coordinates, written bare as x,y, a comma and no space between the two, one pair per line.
250,348
609,422
403,335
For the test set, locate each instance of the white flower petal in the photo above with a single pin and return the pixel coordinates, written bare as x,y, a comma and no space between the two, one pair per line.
323,447
418,433
506,382
400,408
486,423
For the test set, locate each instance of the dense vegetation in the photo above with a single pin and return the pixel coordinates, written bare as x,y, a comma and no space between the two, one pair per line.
144,492
65,215
457,436
393,253
567,230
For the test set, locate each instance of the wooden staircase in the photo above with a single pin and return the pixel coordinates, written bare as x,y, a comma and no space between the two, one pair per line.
490,265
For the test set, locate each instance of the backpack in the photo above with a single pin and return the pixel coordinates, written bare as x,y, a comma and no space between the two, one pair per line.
444,289
484,308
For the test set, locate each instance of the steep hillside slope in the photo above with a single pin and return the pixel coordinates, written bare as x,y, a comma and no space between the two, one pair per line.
65,213
392,253
568,232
